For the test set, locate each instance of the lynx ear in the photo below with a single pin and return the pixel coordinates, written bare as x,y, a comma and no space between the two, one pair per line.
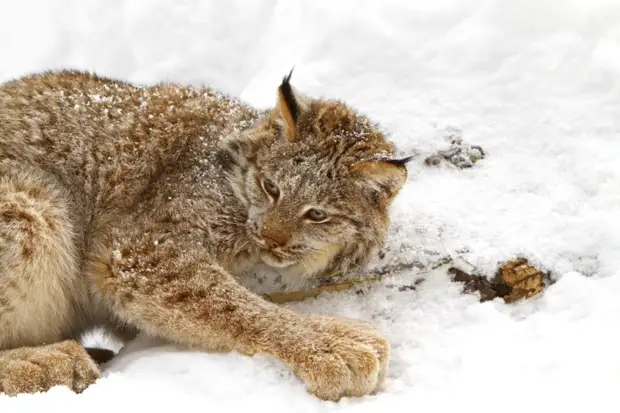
287,107
385,175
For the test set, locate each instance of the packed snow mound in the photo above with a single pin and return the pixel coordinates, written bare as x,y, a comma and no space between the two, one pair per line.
536,85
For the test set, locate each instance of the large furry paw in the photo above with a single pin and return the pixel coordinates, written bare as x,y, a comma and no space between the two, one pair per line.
340,357
37,369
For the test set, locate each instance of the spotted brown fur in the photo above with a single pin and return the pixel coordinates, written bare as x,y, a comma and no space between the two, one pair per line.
136,206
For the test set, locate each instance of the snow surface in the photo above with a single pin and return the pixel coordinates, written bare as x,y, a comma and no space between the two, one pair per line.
535,83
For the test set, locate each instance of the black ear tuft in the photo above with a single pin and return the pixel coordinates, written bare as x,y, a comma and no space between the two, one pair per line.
287,78
287,95
398,162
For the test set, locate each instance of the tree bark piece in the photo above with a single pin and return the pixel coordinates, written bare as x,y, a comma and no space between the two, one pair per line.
515,280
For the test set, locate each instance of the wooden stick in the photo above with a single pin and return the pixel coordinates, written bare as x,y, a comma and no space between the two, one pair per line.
286,297
377,275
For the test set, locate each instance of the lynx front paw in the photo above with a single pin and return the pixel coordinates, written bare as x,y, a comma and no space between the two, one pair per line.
37,369
341,357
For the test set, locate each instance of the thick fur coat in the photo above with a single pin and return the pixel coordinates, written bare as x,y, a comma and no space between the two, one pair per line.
134,207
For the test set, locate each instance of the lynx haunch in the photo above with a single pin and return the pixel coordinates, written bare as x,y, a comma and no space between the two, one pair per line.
134,208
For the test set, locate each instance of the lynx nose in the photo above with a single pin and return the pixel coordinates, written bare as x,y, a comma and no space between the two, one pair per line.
274,242
275,236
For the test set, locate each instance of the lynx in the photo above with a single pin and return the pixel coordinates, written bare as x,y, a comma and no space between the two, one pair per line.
135,207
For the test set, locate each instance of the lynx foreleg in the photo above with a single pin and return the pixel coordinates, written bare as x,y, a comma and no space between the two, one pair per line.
165,290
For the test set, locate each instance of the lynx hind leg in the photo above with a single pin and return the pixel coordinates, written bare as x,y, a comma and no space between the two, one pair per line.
37,369
42,297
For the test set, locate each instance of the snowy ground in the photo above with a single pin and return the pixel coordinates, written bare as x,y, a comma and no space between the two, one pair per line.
535,83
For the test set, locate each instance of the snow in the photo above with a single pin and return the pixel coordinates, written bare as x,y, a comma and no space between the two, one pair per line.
535,84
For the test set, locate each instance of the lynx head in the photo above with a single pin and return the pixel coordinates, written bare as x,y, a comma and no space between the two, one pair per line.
317,179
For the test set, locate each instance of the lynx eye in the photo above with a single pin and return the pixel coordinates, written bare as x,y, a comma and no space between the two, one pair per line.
315,215
271,189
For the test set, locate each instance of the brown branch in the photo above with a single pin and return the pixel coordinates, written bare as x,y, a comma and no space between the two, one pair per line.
376,275
285,297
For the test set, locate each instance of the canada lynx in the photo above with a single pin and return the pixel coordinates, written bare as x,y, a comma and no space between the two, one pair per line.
135,207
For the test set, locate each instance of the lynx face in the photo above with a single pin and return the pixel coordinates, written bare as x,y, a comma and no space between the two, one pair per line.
317,179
